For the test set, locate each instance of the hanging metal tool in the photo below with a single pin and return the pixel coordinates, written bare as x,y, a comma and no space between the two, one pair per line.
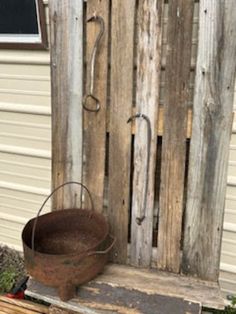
142,216
90,96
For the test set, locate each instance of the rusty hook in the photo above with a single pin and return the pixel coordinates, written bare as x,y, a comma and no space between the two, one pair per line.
90,95
139,220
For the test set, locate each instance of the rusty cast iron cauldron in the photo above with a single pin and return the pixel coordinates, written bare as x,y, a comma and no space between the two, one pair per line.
66,248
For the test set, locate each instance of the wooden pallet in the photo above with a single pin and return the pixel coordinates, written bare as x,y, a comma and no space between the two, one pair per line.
14,306
185,93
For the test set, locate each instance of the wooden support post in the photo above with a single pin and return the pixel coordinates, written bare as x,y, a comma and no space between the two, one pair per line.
213,104
122,38
147,97
95,123
66,24
179,41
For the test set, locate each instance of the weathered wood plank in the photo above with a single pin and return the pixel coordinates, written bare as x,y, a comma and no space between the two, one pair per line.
24,304
131,301
95,123
213,105
10,308
105,298
57,310
66,24
179,39
8,311
140,282
122,38
147,97
158,130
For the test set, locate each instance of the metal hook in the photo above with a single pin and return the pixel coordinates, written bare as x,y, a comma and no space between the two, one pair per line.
139,220
90,95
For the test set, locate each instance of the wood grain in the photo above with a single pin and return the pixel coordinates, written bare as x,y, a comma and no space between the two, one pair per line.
132,301
140,282
213,105
179,39
56,310
25,304
10,308
158,130
122,38
66,38
95,123
147,97
14,306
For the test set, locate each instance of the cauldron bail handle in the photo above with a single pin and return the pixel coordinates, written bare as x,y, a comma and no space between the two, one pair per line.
49,196
105,251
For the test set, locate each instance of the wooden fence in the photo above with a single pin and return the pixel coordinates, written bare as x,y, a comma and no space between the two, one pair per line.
148,63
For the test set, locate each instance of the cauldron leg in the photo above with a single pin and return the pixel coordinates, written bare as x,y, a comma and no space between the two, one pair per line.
66,291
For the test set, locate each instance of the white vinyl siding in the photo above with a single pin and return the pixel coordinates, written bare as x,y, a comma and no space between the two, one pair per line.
25,139
228,250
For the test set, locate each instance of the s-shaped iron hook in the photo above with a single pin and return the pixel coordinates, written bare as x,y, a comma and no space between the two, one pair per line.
140,219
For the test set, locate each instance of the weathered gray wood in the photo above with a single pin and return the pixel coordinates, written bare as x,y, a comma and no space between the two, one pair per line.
66,36
122,38
121,300
213,104
57,310
95,123
179,39
147,97
159,127
132,301
123,285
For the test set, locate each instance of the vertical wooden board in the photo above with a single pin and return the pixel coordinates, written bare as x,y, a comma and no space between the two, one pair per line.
95,123
212,114
122,38
66,24
147,97
179,39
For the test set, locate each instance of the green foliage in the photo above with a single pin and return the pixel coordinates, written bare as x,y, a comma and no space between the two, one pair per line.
7,280
233,300
11,268
228,310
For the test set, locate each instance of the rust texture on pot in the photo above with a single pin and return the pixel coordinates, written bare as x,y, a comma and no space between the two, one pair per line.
69,248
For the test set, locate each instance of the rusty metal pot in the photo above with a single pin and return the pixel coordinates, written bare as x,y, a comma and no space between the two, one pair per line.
66,248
